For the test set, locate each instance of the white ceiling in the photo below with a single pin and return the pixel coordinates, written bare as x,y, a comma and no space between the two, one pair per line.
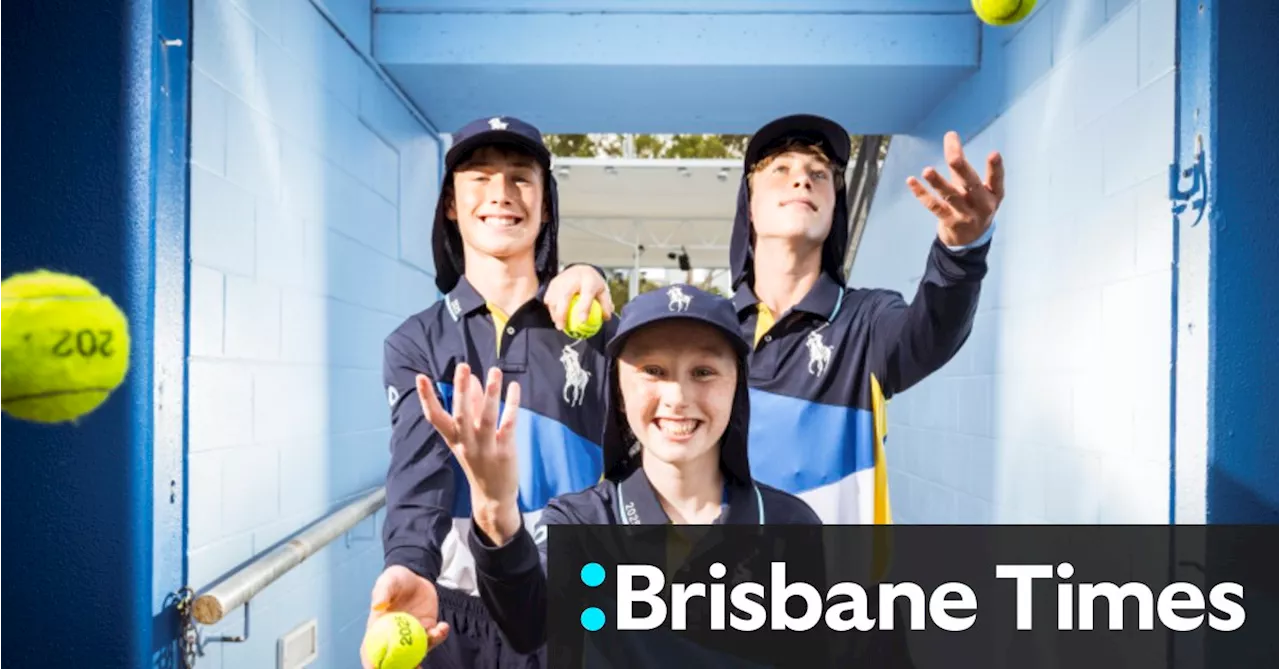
608,204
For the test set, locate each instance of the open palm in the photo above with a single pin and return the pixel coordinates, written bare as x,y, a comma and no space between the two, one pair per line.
485,447
966,205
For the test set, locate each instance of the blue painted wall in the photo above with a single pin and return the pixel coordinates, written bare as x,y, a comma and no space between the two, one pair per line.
1057,409
79,497
1242,484
312,189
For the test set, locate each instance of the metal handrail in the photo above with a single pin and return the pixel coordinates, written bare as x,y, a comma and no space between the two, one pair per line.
243,584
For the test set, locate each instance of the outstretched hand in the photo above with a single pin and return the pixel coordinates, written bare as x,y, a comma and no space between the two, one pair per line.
485,448
964,206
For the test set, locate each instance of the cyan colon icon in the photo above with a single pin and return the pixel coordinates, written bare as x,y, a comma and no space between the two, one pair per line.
592,575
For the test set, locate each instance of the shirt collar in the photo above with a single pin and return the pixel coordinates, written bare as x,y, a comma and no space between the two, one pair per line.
638,504
465,300
821,300
744,299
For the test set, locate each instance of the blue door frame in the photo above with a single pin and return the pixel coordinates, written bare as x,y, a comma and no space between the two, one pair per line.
1226,256
97,186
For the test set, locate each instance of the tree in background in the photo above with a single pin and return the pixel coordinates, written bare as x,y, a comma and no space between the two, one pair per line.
647,145
619,286
714,290
571,146
657,146
706,146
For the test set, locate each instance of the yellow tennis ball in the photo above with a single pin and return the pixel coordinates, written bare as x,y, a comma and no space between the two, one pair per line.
396,641
1003,12
595,320
65,346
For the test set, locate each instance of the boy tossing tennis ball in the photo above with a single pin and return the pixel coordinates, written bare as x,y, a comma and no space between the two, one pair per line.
65,346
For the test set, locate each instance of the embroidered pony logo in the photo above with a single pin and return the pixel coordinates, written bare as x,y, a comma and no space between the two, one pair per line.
496,123
575,377
677,300
819,354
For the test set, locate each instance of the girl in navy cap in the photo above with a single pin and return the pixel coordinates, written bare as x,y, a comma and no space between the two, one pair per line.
675,449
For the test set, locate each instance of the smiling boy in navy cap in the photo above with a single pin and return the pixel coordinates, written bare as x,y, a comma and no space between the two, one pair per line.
826,357
494,242
675,450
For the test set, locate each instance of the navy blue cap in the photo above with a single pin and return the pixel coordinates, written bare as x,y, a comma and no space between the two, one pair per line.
446,241
676,302
837,146
679,301
824,132
496,130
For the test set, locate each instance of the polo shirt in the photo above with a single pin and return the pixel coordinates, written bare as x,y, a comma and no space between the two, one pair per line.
560,422
821,376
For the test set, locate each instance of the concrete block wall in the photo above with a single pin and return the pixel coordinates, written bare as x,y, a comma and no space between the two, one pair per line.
312,188
1058,408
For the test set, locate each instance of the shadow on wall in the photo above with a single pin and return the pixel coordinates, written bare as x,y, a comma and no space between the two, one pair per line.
312,189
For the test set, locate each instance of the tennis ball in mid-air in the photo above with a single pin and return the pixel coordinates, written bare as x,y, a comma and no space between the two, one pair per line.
65,346
396,641
584,330
1003,12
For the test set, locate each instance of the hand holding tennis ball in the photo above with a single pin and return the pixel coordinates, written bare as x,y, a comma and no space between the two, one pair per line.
580,282
400,592
577,327
65,346
1003,12
396,641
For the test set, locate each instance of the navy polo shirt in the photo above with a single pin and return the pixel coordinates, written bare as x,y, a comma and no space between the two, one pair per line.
821,375
560,421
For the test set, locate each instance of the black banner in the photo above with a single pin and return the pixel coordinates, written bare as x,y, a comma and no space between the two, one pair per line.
922,596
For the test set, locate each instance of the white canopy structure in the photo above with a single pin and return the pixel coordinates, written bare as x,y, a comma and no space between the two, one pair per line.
673,214
633,213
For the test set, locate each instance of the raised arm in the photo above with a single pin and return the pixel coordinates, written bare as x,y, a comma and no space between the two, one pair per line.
420,481
909,342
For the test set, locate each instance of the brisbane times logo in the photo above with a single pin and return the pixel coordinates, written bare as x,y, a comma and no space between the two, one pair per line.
846,596
643,601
